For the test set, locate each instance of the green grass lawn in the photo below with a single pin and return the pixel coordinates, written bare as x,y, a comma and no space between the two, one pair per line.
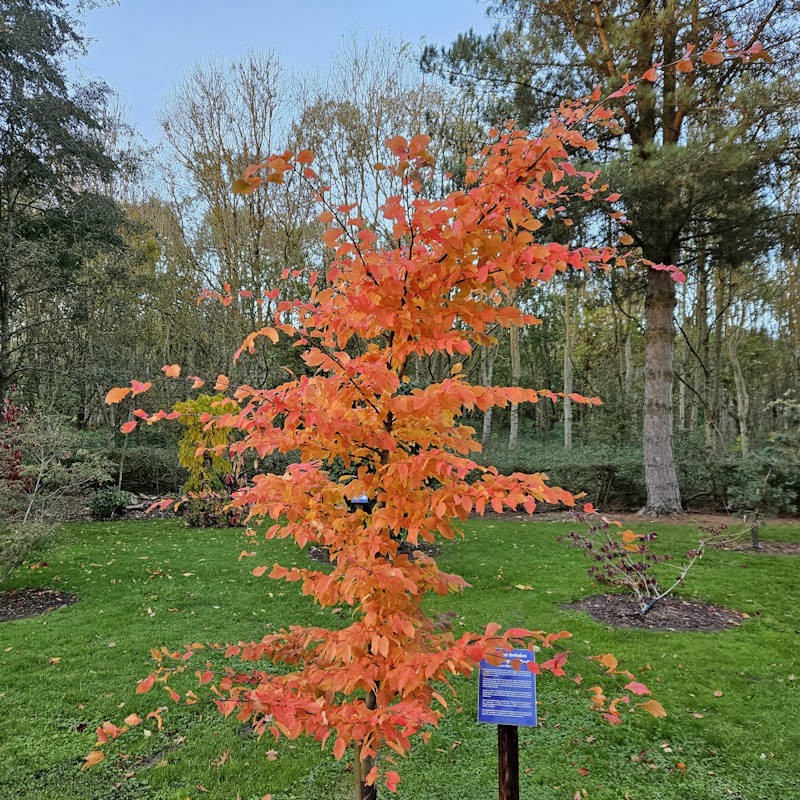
146,584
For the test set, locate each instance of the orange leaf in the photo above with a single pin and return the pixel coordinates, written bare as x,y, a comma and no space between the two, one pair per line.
139,387
117,394
331,236
654,708
626,239
397,144
92,758
712,57
171,370
608,660
304,157
325,217
270,333
222,384
650,75
129,426
685,65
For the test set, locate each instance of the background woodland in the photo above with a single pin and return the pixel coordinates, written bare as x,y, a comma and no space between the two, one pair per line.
107,248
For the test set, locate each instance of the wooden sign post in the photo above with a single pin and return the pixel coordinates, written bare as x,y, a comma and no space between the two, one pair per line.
507,698
508,761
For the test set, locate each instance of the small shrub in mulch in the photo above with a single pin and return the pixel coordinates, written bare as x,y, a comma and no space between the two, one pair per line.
669,614
23,603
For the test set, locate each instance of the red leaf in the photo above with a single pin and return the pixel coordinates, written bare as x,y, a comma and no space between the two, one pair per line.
139,387
128,426
146,684
637,688
392,779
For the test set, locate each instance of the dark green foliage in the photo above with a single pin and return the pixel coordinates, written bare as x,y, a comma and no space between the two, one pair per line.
18,542
769,480
612,475
108,502
54,167
210,512
152,470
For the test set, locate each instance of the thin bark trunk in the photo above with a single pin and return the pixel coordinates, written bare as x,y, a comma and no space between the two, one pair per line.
513,429
742,397
661,480
568,375
683,368
487,356
714,399
362,765
6,367
700,372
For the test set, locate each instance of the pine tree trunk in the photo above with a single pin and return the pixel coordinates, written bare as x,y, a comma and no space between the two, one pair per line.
663,494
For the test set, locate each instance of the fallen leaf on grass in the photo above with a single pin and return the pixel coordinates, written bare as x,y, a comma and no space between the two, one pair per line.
654,708
271,755
223,757
92,758
719,693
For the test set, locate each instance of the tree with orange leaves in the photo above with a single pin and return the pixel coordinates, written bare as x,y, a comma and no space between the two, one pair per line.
441,286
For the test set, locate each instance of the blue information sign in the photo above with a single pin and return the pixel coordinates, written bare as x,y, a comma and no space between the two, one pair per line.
507,696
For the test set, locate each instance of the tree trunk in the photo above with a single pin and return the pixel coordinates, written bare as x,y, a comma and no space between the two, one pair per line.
568,385
513,429
742,397
362,765
714,404
663,494
6,368
487,356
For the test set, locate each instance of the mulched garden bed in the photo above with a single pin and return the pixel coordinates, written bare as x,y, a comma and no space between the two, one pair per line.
769,549
669,614
23,603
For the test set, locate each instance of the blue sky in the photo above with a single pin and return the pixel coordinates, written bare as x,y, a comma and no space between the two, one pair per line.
143,47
